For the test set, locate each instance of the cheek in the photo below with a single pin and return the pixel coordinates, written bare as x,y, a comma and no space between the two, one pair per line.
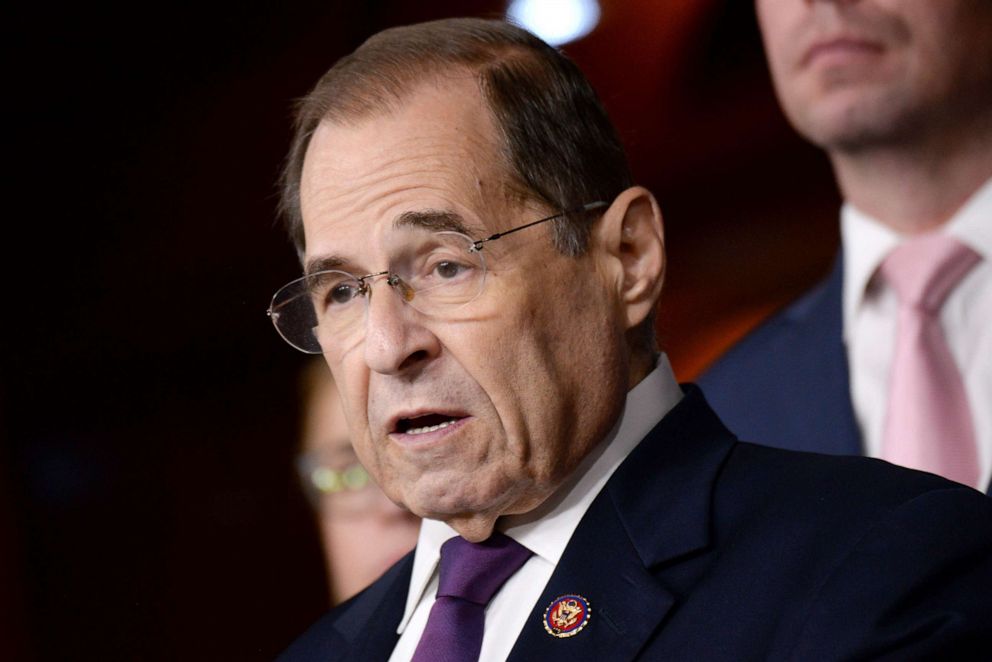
553,362
353,380
945,50
354,401
777,21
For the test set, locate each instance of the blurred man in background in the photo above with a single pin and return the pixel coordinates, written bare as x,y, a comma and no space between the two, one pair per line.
362,532
891,356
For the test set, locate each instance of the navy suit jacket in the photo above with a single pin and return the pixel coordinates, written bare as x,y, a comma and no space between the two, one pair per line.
704,547
786,384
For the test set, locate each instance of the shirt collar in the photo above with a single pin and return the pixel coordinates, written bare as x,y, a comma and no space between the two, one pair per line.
866,242
547,529
972,225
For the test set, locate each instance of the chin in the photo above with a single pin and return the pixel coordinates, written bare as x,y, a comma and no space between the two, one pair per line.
447,499
855,119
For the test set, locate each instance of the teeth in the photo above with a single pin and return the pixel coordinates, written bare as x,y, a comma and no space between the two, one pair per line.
430,428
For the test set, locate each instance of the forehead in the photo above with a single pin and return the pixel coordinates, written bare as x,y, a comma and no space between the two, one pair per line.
437,152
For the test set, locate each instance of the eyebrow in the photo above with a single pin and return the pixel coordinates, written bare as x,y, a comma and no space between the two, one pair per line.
322,263
438,220
435,220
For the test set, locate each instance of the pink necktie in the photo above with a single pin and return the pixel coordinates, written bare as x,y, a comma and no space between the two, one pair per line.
928,425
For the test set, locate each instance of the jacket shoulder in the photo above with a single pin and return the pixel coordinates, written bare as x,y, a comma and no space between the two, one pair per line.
868,558
786,384
816,313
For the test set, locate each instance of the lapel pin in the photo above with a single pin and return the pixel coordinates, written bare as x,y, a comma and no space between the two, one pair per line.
566,616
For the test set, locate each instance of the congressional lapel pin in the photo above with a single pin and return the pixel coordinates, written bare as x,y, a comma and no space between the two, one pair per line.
566,616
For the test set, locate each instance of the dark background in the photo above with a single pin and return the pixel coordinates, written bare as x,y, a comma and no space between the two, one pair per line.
148,507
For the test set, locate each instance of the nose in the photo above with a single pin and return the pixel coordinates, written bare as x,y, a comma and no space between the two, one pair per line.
396,340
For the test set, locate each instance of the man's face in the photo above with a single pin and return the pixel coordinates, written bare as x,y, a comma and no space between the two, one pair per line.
860,72
530,374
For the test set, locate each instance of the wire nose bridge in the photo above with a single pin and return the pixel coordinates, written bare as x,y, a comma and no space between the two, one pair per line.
395,282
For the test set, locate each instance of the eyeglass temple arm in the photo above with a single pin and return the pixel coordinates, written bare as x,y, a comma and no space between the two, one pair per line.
477,244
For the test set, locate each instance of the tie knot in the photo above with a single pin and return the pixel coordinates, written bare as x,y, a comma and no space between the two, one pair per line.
475,571
924,270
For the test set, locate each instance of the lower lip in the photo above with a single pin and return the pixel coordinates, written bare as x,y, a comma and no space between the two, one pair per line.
428,438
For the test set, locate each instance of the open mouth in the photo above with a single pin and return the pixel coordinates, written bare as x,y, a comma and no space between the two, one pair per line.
426,423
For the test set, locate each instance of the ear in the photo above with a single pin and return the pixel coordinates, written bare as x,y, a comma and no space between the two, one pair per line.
632,238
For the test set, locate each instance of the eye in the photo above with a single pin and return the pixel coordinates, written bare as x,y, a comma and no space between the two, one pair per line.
343,292
333,288
448,269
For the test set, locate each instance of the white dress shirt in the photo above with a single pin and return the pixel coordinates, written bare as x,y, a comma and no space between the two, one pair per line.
545,531
870,317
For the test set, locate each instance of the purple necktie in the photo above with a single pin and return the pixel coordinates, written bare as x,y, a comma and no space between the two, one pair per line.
928,424
470,575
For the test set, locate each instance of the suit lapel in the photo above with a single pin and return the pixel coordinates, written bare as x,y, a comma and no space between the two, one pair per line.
814,381
615,583
653,511
786,384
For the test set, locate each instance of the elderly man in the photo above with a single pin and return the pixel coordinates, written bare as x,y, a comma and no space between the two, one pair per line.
481,275
892,355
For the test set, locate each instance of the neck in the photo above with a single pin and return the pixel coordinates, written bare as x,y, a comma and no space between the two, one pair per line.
641,365
915,188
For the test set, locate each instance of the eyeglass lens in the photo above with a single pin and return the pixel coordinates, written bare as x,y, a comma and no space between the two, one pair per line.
434,272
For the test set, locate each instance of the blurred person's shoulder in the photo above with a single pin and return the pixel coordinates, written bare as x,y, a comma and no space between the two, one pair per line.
363,627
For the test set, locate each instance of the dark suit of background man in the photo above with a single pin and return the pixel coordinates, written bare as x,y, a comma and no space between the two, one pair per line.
500,379
899,94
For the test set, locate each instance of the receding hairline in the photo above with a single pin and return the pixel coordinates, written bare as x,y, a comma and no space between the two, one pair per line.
383,92
500,175
540,104
383,96
363,96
